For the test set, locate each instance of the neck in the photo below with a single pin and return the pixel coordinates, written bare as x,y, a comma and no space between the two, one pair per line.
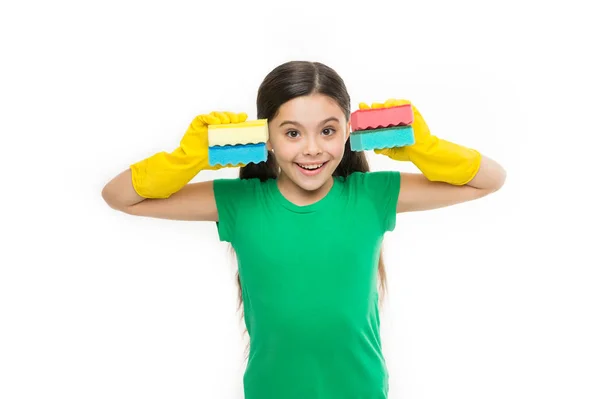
299,196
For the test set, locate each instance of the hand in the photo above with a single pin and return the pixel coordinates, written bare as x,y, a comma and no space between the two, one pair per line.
195,140
437,159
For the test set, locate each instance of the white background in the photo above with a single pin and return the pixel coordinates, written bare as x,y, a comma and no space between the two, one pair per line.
496,298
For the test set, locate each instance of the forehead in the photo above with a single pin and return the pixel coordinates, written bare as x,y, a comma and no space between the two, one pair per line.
313,108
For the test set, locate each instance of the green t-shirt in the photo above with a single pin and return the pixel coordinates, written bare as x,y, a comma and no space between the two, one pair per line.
309,284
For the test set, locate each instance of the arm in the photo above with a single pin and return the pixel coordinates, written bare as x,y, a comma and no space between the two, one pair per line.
119,192
194,202
451,173
417,193
158,185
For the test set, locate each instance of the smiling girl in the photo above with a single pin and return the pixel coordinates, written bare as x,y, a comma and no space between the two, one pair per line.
307,227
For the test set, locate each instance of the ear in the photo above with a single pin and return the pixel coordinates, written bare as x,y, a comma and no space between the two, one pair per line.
348,130
269,146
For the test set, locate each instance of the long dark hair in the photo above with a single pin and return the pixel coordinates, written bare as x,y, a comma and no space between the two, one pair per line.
286,82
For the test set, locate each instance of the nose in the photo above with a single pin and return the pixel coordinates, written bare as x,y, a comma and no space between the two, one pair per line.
312,146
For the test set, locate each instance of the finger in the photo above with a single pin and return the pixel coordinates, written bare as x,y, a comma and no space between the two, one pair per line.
198,121
402,102
211,119
382,151
223,118
233,117
390,102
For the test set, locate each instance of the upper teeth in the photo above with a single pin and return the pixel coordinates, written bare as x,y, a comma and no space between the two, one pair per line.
312,166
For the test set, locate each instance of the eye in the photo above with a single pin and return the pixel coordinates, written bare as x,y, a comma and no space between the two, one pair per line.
332,130
291,131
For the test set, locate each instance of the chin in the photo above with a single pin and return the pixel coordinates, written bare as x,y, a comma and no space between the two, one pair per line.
311,185
308,182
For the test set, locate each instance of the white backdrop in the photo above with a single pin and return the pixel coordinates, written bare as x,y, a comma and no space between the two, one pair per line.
495,298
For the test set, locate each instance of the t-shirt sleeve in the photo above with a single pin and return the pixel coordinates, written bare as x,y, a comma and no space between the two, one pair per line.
384,188
229,198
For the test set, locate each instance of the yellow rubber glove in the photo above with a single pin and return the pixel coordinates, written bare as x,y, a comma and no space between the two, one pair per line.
437,159
163,174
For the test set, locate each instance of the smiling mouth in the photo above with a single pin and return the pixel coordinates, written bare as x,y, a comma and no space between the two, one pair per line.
310,167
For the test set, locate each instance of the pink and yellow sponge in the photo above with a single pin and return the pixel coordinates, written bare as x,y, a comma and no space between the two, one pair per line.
382,126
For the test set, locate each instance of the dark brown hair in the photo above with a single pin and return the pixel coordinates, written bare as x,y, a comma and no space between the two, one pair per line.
286,82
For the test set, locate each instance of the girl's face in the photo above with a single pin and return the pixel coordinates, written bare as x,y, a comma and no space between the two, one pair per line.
308,136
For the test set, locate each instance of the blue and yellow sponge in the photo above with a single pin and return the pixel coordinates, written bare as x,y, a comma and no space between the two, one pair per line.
238,144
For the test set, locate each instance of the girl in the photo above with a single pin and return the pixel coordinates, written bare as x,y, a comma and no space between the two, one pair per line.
307,227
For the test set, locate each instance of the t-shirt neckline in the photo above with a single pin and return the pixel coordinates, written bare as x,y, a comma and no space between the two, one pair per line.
304,208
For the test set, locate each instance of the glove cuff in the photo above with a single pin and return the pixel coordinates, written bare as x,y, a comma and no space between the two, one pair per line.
442,160
163,174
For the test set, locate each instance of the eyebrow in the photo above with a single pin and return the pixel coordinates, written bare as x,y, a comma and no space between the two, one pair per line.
331,118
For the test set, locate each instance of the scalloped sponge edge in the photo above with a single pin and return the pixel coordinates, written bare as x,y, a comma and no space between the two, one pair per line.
398,136
375,118
249,132
237,155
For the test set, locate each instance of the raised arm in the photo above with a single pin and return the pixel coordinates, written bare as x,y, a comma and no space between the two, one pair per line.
158,186
417,193
194,202
451,173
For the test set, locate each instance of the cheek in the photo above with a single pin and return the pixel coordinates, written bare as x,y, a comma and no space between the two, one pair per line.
336,149
284,152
